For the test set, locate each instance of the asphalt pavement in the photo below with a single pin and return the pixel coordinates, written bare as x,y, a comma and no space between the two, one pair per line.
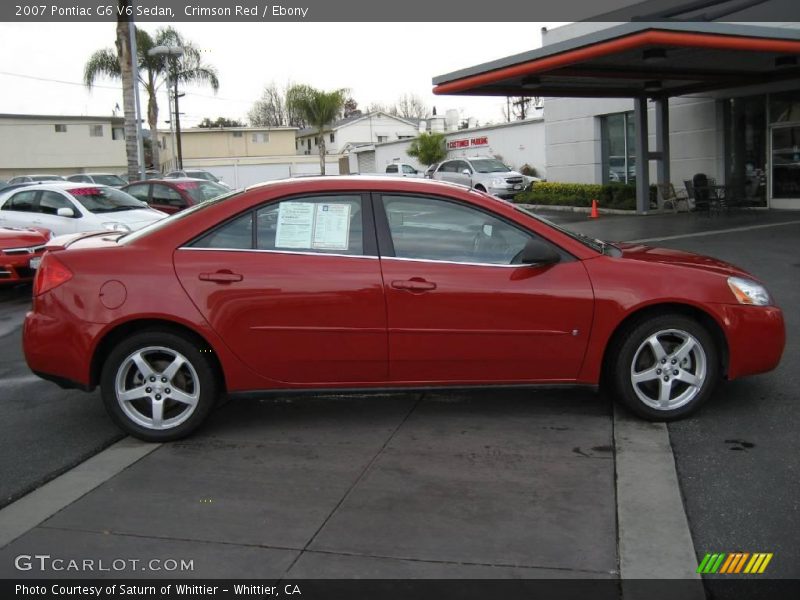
44,430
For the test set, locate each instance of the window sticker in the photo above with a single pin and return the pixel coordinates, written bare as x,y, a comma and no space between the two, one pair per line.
331,227
295,225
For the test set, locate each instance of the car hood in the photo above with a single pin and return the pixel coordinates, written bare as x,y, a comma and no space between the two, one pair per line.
680,258
133,218
11,237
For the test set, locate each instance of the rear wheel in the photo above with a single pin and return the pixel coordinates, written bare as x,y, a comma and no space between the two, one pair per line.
665,367
158,386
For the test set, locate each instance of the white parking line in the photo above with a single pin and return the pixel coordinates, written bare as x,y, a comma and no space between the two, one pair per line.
21,380
26,513
714,232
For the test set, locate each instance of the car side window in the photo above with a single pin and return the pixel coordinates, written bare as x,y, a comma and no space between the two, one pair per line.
236,234
50,202
139,191
163,194
21,202
409,169
330,224
446,167
391,168
433,229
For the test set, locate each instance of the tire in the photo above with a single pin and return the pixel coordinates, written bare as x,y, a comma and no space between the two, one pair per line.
158,369
480,188
644,376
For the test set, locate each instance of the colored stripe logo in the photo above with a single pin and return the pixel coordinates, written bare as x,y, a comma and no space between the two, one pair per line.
733,563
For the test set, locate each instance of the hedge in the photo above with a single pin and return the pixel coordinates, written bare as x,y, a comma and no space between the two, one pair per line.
609,195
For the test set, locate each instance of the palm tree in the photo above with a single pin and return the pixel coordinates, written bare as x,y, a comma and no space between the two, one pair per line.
318,108
123,64
154,71
428,148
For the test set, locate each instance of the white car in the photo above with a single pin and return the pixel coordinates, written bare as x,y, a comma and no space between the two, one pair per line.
75,207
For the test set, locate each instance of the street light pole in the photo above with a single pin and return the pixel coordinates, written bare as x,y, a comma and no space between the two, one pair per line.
172,52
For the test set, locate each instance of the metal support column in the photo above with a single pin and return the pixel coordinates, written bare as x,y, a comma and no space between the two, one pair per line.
662,140
642,156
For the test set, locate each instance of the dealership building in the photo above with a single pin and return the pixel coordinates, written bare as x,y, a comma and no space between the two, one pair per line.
660,103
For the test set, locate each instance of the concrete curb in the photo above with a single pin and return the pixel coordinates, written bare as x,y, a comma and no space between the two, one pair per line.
654,537
29,511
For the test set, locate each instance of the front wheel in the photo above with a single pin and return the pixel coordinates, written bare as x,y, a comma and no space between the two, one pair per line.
665,367
158,386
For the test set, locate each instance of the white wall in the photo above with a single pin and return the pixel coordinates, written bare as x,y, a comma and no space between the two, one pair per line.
33,146
366,130
243,172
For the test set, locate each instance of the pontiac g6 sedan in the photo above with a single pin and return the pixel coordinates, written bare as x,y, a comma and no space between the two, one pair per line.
361,283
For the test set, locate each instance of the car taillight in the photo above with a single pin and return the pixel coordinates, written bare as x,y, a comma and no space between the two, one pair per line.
51,274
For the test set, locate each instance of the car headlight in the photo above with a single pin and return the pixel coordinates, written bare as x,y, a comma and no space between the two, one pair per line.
748,291
498,182
114,226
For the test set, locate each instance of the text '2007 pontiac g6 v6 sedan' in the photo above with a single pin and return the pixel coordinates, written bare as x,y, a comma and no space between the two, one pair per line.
359,283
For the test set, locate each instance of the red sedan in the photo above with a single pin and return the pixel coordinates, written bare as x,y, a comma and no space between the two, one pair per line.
21,252
173,195
359,283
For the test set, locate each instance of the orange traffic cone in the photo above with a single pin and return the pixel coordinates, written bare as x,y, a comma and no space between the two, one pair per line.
594,214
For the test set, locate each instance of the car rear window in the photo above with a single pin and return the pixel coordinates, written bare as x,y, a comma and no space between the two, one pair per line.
200,191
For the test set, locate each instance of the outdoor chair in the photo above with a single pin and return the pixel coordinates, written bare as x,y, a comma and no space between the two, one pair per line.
669,199
701,186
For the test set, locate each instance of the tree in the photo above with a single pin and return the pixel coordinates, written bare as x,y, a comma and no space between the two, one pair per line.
271,110
351,108
319,108
410,106
220,122
154,71
122,63
428,148
518,107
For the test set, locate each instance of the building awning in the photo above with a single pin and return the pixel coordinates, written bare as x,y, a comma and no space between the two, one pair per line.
639,60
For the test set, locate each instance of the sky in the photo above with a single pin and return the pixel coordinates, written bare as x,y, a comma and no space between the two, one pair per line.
41,64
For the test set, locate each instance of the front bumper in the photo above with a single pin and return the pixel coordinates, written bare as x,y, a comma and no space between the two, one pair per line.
16,268
756,337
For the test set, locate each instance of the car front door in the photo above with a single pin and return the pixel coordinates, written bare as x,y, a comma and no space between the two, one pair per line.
463,173
459,310
295,290
166,199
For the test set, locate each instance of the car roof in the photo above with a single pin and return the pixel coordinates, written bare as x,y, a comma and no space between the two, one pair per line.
61,185
361,182
173,180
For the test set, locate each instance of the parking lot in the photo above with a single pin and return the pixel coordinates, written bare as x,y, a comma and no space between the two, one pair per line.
480,484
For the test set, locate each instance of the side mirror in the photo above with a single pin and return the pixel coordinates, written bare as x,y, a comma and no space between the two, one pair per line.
466,172
65,212
538,253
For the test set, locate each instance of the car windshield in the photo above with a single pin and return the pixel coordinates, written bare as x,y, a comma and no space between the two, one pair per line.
201,175
489,165
105,199
595,244
108,180
157,225
201,191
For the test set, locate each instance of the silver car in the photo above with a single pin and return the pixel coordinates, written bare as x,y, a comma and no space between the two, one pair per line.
482,173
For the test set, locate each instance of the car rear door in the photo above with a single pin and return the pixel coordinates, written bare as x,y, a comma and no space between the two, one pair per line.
20,209
459,311
295,289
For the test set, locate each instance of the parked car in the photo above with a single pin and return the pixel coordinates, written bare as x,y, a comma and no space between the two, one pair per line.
35,178
73,207
195,174
21,251
485,174
403,170
279,288
108,179
172,195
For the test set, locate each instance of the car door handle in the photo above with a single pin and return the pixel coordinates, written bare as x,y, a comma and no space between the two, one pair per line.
221,277
415,284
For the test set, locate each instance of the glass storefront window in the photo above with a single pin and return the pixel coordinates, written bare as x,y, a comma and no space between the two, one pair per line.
746,144
786,162
619,143
784,107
